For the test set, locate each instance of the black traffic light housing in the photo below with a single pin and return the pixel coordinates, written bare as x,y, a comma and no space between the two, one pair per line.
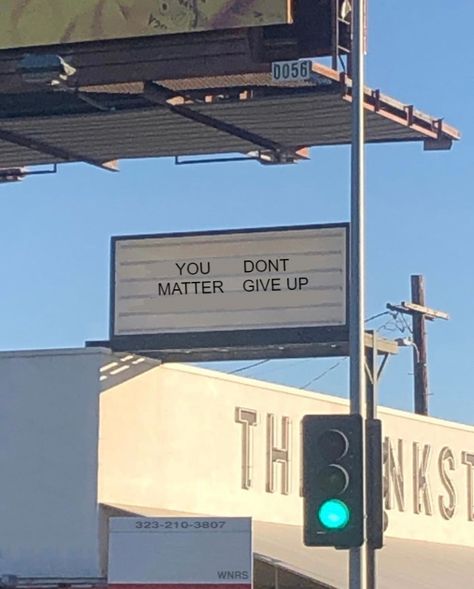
333,480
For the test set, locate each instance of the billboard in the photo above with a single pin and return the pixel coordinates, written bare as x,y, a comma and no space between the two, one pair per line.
28,23
229,282
214,552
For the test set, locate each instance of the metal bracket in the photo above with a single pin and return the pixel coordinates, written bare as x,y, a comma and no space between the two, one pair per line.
212,160
17,174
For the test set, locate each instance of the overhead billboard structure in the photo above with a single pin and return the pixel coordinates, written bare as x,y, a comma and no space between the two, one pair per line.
209,552
27,23
271,120
230,289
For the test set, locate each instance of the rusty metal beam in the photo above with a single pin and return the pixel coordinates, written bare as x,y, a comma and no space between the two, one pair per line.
438,135
58,152
161,96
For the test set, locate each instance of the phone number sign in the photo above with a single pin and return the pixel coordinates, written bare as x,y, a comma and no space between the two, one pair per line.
180,551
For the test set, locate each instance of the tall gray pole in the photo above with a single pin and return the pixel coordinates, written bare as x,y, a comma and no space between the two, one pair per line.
357,556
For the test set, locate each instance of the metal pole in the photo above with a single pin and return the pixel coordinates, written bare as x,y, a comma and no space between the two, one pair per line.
335,34
371,384
357,556
371,409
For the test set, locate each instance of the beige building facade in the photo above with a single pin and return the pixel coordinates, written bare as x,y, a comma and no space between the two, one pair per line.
185,439
88,434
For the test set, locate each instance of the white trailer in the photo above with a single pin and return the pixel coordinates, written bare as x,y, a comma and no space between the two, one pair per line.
49,420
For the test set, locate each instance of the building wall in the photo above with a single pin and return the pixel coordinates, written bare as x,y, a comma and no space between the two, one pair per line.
48,463
197,441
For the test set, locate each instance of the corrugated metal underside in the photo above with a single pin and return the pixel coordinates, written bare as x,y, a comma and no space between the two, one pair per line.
310,120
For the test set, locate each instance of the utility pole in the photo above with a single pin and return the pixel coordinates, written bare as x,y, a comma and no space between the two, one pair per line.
420,352
419,313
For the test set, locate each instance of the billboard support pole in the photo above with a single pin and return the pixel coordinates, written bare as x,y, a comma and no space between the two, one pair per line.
357,556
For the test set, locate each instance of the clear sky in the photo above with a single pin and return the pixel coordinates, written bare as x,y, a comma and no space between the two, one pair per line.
55,230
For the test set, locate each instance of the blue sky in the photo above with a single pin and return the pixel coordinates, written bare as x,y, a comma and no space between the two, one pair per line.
55,230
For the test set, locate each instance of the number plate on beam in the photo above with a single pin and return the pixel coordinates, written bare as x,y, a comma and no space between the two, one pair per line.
291,71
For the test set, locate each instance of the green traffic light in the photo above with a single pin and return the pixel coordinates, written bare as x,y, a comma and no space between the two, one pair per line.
334,514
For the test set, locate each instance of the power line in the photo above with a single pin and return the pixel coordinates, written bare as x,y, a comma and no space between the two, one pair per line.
284,366
410,330
377,316
249,366
255,364
333,367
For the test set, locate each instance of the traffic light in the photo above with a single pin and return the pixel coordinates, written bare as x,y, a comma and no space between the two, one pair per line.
332,481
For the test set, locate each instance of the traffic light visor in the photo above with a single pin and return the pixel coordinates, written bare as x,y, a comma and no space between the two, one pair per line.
333,479
333,444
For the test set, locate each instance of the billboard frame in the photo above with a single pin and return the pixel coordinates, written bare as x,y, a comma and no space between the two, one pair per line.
233,344
215,52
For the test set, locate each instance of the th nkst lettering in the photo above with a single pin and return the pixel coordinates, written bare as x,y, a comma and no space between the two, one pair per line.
394,483
278,451
446,461
421,486
468,460
248,419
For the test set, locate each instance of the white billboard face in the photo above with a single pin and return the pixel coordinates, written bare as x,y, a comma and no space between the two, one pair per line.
243,280
180,551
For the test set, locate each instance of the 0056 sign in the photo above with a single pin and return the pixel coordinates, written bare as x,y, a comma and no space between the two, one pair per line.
291,71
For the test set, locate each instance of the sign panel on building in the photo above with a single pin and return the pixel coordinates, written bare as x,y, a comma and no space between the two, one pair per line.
181,551
27,23
274,280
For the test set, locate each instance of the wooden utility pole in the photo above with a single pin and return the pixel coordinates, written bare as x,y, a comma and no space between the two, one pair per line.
419,313
420,352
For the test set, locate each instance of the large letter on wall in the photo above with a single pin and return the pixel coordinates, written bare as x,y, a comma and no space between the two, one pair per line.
468,460
446,460
248,419
278,454
394,482
421,484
